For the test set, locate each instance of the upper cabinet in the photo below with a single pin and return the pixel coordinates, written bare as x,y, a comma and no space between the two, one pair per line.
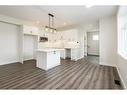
30,30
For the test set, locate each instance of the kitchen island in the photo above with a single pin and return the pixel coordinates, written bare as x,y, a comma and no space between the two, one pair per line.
48,58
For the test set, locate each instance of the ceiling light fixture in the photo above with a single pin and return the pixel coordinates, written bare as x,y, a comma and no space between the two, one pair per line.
50,27
89,6
37,22
64,23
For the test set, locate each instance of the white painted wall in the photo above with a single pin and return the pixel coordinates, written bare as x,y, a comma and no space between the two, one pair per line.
9,43
20,44
122,69
15,39
9,19
85,43
81,41
108,41
122,62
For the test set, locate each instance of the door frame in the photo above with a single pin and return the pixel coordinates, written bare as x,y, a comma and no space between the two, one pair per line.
86,45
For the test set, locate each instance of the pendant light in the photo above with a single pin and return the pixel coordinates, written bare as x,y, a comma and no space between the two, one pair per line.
50,27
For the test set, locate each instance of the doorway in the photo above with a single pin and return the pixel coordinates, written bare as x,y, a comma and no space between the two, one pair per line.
93,43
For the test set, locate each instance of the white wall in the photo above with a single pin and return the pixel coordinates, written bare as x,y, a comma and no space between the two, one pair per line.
122,69
16,21
9,43
15,39
108,41
122,63
81,41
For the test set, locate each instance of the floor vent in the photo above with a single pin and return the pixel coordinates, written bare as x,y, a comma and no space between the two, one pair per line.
117,82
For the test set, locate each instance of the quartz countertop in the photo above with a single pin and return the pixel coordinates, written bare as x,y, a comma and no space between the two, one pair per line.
48,50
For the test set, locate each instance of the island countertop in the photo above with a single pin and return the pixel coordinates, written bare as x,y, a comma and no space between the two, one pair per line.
48,49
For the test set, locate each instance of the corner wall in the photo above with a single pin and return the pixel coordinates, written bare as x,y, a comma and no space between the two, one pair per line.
122,63
122,69
108,41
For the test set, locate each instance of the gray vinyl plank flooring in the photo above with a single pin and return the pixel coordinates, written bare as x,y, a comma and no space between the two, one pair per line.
85,73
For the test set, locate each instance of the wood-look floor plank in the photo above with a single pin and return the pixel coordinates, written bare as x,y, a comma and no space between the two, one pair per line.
59,78
94,78
55,74
73,79
106,81
68,77
85,73
85,82
36,82
78,82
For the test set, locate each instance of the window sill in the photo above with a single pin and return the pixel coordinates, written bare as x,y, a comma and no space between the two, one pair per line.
122,55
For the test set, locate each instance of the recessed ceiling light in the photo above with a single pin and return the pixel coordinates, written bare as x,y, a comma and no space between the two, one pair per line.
90,25
64,23
38,22
89,6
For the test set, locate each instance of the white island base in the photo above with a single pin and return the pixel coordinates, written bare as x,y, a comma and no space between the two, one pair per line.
48,58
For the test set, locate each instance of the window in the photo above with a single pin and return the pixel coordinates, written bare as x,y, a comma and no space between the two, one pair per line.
95,37
122,37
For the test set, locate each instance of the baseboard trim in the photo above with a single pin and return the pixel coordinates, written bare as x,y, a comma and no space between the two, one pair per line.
10,63
6,63
102,63
28,60
121,79
92,55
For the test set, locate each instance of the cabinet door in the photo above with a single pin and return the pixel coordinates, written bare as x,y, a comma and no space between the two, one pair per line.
35,31
53,59
30,30
27,30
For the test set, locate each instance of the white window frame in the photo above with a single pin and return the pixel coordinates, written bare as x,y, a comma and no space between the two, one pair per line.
122,36
95,37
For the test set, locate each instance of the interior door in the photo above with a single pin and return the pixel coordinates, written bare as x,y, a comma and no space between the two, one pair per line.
93,43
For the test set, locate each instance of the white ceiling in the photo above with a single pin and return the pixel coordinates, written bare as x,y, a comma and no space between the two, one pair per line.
64,15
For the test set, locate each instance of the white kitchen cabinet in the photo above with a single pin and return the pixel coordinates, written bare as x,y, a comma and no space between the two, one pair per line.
48,58
30,30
